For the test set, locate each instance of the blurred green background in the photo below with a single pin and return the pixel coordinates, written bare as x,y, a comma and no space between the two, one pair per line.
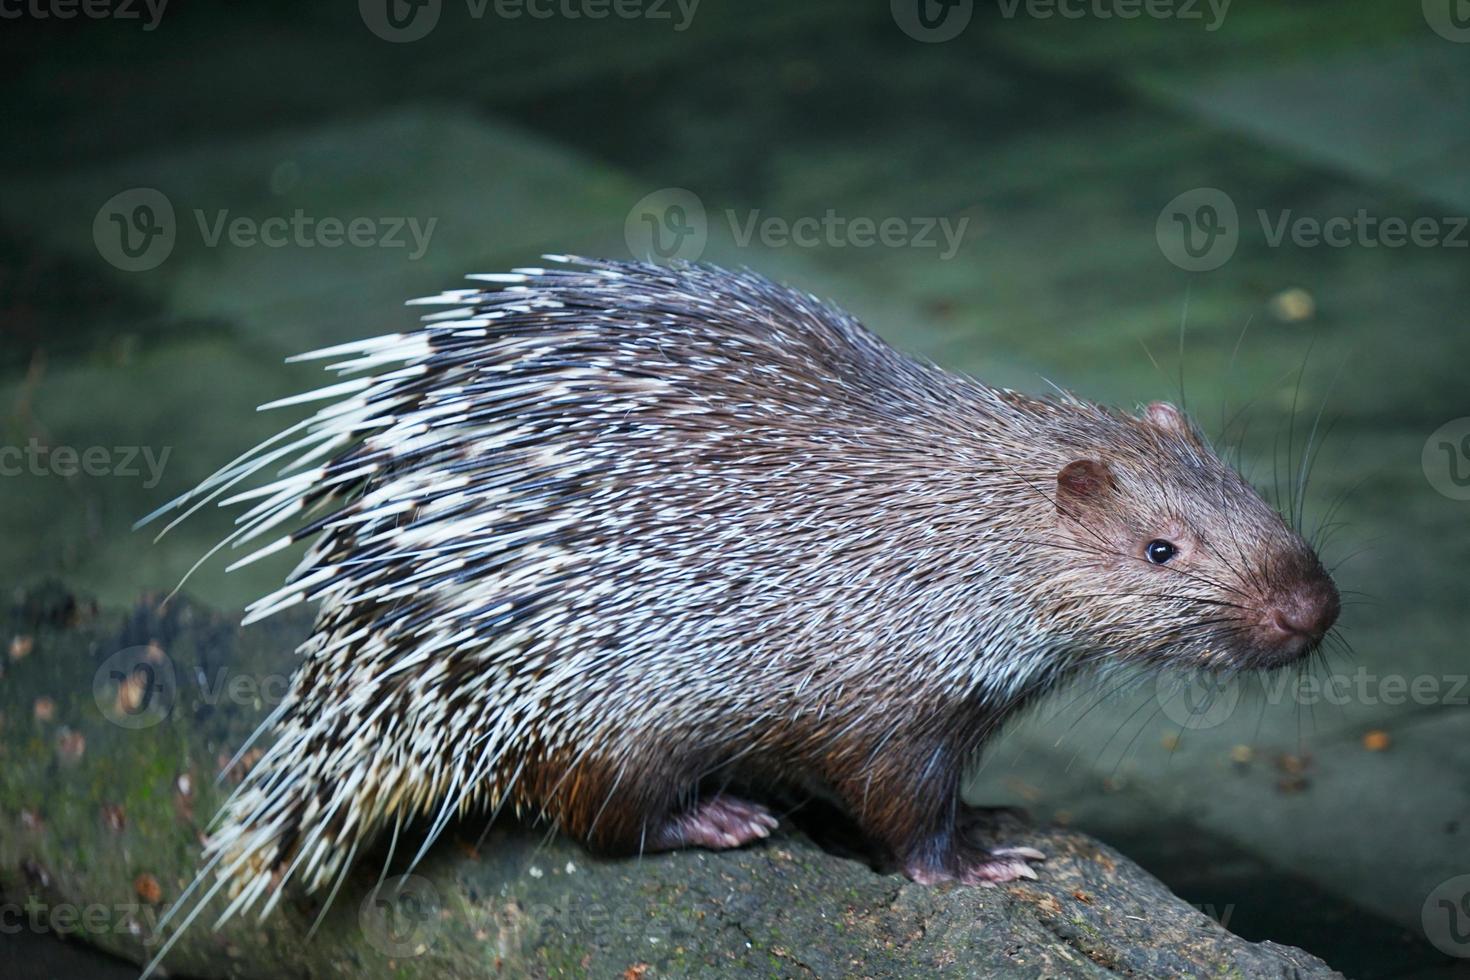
1131,202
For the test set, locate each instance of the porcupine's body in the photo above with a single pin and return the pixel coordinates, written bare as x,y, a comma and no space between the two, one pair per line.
594,542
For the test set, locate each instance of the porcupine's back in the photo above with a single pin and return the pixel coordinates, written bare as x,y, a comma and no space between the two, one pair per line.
610,511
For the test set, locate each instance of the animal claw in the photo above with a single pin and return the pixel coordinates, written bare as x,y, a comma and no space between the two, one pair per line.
1002,864
719,823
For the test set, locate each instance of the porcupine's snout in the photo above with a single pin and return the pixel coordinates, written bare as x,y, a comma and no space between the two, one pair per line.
1299,616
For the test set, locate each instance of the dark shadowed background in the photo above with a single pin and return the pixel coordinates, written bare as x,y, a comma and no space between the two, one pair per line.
1248,206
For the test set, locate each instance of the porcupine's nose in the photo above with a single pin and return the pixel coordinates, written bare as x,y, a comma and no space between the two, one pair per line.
1302,615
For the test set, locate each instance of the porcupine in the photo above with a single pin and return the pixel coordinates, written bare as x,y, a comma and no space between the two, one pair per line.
600,541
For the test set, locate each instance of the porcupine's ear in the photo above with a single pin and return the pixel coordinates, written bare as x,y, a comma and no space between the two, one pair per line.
1167,416
1083,485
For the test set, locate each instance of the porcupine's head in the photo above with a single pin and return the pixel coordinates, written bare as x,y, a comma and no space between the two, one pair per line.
1167,556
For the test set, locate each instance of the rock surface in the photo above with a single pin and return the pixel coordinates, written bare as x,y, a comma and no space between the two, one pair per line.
115,727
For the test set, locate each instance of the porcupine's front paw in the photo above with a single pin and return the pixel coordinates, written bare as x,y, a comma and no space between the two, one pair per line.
719,822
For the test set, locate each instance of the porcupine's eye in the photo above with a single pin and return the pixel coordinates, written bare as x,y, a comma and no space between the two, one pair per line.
1159,551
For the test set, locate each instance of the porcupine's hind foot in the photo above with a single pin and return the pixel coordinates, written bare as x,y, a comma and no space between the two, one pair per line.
972,863
987,866
718,822
994,864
